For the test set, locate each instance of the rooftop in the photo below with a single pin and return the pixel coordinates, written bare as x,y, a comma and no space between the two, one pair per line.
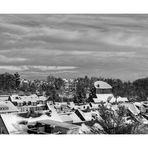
7,106
4,97
32,98
102,85
59,124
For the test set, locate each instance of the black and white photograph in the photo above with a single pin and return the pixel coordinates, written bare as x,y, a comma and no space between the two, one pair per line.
73,74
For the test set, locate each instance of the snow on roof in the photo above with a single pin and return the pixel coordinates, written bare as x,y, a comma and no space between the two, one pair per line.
7,106
42,98
75,118
43,117
65,80
4,97
32,98
59,104
59,124
102,85
66,118
140,106
54,113
104,98
122,99
12,121
113,99
94,106
96,100
71,104
132,108
88,116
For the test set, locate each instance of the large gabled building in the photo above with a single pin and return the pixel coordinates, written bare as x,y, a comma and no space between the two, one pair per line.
103,92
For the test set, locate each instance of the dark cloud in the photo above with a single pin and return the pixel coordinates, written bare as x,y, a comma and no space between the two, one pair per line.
106,45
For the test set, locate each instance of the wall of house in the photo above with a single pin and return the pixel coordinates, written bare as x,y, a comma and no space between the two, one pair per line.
3,129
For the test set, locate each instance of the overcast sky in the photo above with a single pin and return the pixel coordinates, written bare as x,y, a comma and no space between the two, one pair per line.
74,45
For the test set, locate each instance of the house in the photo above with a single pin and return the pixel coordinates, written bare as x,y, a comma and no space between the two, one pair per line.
69,85
62,107
53,127
29,103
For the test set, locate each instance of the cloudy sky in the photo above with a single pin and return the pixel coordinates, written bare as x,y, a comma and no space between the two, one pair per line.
74,45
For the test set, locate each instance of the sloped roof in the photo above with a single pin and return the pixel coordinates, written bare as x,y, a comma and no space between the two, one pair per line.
7,106
59,124
132,108
12,121
66,118
4,97
54,113
75,118
102,85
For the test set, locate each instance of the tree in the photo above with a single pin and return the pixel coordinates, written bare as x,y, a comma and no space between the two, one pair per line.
51,80
24,86
113,122
58,83
17,80
92,94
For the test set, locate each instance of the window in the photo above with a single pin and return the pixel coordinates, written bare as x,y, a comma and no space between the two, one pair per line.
19,104
34,103
103,91
29,103
4,108
24,103
22,109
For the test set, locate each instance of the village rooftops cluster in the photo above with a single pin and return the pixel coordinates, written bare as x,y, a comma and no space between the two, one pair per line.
36,115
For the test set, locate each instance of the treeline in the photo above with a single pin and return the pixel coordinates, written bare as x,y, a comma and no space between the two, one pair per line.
84,89
9,82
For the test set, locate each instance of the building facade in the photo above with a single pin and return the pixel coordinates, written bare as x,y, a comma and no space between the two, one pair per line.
29,103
